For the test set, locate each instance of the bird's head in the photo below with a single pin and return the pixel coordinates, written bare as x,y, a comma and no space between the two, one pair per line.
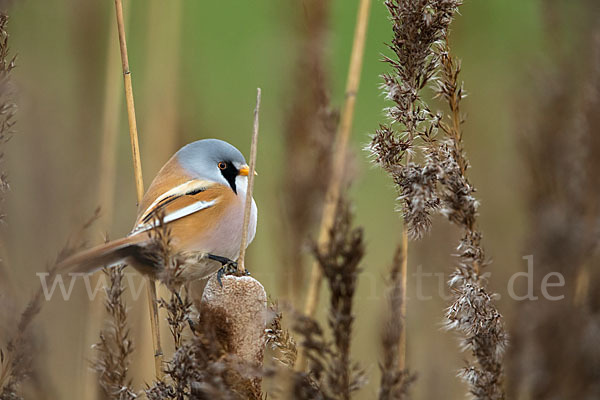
216,161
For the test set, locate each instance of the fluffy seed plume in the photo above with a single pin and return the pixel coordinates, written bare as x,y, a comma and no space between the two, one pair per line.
115,346
423,153
332,373
395,380
473,312
418,27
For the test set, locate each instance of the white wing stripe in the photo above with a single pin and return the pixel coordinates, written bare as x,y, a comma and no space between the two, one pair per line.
187,210
178,214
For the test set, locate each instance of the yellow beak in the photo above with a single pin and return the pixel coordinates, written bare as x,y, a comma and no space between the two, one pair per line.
245,171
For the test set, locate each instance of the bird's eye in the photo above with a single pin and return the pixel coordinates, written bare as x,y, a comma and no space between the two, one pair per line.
222,165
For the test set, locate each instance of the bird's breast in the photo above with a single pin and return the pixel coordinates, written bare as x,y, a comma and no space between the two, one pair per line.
217,230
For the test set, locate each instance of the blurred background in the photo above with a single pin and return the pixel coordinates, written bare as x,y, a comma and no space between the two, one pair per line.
196,66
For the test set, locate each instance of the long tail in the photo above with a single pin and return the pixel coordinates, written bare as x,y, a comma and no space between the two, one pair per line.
111,253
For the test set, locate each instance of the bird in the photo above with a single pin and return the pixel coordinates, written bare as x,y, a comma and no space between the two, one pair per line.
200,195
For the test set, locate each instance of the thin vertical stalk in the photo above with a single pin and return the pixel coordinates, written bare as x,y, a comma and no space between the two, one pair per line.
248,205
133,134
139,183
339,158
110,122
403,274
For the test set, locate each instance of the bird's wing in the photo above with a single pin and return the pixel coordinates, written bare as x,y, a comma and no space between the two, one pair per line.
185,199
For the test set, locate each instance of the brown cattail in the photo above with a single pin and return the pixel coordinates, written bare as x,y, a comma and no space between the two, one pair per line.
238,312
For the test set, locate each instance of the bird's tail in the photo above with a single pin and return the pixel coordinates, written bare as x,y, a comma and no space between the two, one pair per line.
107,254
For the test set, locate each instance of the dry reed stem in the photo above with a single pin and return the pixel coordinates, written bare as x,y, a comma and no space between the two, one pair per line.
248,205
110,127
133,134
395,378
335,183
139,183
403,274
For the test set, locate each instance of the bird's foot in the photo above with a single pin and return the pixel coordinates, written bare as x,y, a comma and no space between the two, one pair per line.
228,267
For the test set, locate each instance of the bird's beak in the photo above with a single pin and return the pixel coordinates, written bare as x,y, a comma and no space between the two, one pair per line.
245,171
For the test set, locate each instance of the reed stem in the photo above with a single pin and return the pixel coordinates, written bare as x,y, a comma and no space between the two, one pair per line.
139,183
403,274
248,205
339,157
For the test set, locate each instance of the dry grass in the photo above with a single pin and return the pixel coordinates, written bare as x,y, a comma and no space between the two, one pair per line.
473,311
139,182
115,346
436,180
339,262
337,179
395,378
331,372
279,340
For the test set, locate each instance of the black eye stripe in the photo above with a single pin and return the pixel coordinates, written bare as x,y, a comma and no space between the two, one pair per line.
229,173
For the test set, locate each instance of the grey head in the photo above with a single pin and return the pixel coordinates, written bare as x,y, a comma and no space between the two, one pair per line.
214,160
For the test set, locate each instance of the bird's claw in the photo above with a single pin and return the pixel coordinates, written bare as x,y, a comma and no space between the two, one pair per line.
229,268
